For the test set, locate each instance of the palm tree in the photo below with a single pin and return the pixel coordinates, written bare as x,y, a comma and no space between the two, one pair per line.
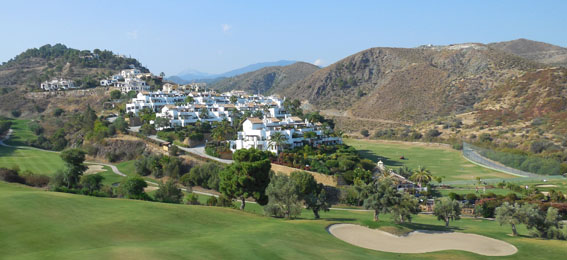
278,140
421,176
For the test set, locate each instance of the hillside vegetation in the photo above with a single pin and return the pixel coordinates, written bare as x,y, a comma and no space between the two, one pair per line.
25,72
537,51
267,80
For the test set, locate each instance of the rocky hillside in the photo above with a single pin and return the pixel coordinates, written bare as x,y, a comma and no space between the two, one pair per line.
24,73
537,51
538,97
409,85
267,80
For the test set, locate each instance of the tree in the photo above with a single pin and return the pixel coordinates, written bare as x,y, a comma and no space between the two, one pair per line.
91,183
73,159
243,179
380,196
133,188
510,214
318,201
162,122
312,193
283,194
204,113
447,209
168,192
407,207
364,133
278,140
422,176
233,99
115,94
223,131
189,100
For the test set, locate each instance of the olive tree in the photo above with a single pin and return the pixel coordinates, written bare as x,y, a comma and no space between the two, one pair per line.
447,209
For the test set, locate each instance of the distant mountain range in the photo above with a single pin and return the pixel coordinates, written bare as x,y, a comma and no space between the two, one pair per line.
191,75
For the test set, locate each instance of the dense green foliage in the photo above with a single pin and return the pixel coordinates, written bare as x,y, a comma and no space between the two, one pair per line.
247,177
205,175
159,166
283,197
332,160
168,192
447,210
524,162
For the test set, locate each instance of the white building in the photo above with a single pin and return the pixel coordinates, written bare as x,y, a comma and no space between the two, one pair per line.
131,73
132,84
57,84
257,134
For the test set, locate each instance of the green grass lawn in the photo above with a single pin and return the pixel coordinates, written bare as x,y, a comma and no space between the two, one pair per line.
37,224
21,134
441,161
29,159
127,167
109,176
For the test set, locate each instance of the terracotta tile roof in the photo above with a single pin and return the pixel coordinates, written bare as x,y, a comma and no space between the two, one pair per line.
296,119
255,120
274,120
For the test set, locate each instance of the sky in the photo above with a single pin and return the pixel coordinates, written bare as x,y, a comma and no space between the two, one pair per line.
218,36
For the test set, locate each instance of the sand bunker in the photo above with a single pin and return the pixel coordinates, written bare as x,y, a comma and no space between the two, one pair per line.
546,186
420,241
94,169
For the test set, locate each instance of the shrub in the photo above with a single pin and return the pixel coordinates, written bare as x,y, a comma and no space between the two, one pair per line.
16,113
11,175
192,199
36,180
169,193
212,201
364,133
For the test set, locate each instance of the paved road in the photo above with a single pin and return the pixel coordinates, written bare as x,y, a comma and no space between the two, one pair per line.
199,150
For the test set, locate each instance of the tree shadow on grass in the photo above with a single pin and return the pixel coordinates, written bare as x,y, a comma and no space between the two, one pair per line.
7,151
420,226
374,157
339,219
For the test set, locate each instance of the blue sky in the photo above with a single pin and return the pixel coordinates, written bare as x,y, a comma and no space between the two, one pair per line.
217,36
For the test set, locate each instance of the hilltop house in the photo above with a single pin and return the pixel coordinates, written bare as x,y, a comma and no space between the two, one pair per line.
57,84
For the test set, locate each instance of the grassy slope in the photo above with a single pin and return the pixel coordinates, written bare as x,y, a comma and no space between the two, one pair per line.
67,226
441,161
29,159
21,134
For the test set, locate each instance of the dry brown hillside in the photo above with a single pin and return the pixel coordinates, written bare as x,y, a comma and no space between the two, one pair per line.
537,51
410,84
267,80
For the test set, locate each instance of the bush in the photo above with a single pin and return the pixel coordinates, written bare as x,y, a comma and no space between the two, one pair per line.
36,180
212,201
169,193
364,133
223,201
16,113
432,133
205,175
11,175
192,199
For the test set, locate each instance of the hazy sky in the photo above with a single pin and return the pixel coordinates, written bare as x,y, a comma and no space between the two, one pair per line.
217,36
